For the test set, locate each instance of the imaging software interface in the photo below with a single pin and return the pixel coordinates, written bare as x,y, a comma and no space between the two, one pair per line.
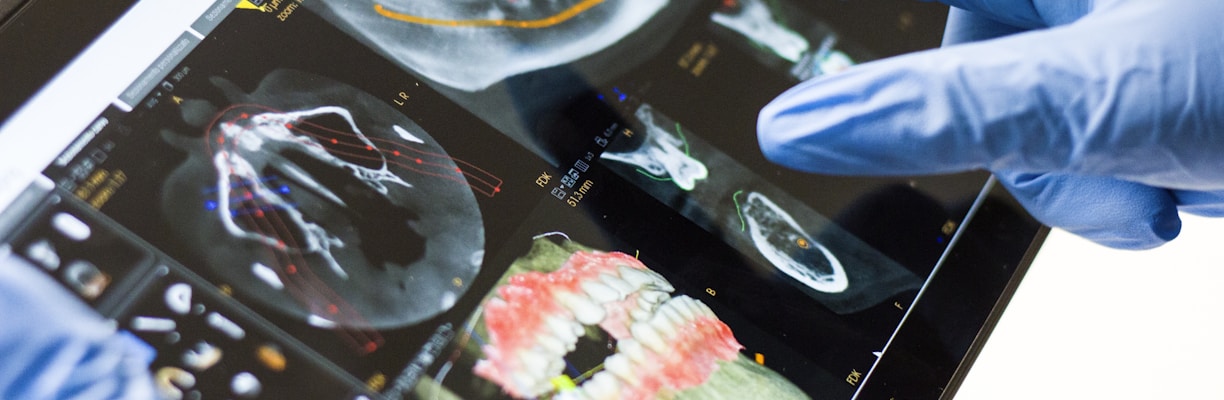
476,199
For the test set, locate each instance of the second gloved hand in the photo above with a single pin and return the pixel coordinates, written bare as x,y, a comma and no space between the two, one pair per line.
1102,117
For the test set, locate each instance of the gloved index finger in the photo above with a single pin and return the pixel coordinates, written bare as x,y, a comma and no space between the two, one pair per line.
1106,96
1029,14
923,113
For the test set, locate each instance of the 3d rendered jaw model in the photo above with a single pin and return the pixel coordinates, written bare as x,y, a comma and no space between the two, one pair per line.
325,204
660,346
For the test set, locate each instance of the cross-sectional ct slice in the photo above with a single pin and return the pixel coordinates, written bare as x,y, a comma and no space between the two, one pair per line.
472,44
324,203
781,241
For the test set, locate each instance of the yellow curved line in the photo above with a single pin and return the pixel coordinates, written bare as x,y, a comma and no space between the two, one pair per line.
564,15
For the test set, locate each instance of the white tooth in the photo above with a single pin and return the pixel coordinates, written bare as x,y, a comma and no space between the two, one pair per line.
635,276
535,363
602,386
551,345
633,349
646,334
562,328
639,314
585,311
659,280
525,382
619,365
663,324
703,309
673,314
621,287
686,306
556,366
599,292
644,278
655,296
645,304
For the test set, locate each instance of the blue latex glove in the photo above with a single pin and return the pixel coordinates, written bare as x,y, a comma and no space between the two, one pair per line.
54,347
1102,117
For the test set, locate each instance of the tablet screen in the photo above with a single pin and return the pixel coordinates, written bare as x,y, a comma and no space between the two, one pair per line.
541,199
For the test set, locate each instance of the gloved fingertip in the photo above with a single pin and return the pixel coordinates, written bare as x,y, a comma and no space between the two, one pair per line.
1113,213
1161,230
1167,225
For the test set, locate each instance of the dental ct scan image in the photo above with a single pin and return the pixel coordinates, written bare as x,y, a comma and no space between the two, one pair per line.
473,199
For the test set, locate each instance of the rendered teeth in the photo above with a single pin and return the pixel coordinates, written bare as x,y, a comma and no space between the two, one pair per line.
621,287
659,280
646,334
565,330
703,309
686,307
663,324
655,296
551,344
585,311
527,383
601,293
601,386
633,349
635,276
639,314
536,363
619,365
645,304
673,315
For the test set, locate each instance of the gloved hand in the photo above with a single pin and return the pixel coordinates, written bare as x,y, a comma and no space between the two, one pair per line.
1102,117
53,347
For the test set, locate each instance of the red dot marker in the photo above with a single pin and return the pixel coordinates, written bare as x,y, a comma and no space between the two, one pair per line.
332,309
291,269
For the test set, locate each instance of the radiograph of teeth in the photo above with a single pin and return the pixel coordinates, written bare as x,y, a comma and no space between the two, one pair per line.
470,45
755,20
326,204
660,344
664,154
781,35
784,243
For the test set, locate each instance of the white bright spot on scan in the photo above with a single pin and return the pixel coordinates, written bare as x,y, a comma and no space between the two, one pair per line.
404,134
448,300
266,274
